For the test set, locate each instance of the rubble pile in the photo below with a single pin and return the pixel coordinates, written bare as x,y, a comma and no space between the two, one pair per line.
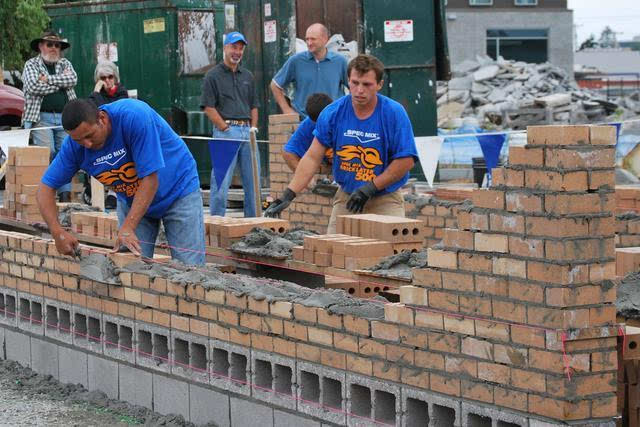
512,94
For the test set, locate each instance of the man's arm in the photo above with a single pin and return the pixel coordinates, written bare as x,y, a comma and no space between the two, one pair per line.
67,79
308,166
46,198
32,82
216,118
396,170
292,160
278,95
141,201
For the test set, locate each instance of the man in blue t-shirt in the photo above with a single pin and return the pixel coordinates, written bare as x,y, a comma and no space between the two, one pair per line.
127,146
373,144
302,138
313,71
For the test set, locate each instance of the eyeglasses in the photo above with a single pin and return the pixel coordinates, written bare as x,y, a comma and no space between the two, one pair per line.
110,77
53,44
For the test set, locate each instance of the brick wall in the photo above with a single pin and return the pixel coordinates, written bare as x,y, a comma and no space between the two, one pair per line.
308,210
523,279
437,215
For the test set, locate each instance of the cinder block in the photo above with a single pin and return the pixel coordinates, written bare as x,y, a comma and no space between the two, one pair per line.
230,367
170,396
190,356
18,347
153,347
103,376
9,313
492,413
377,400
118,341
274,379
30,317
208,406
322,392
44,357
246,413
441,408
87,329
136,386
73,366
285,419
58,321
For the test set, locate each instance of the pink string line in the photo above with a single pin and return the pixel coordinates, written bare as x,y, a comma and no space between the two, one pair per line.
174,362
565,358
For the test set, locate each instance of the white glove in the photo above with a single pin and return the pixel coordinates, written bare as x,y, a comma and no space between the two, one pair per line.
254,130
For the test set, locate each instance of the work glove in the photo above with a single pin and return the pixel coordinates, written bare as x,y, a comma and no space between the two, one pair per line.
358,198
279,205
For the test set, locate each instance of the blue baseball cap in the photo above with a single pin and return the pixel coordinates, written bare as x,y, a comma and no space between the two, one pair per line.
233,37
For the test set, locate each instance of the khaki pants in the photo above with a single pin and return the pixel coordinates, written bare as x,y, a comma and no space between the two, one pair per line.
388,204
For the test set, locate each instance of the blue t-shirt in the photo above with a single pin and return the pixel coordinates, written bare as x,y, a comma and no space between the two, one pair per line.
140,143
301,139
327,76
364,148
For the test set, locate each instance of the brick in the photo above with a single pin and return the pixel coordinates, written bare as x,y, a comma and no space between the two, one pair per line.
526,156
160,318
477,348
356,325
582,158
140,280
458,325
296,331
458,239
491,285
441,258
309,352
510,311
415,377
259,306
320,336
489,199
457,281
446,385
427,277
522,202
558,135
361,365
475,305
385,331
284,347
282,309
398,313
429,319
386,370
526,247
494,372
330,320
228,316
444,301
413,295
510,398
558,409
477,391
475,262
510,267
491,242
187,307
558,274
602,135
345,342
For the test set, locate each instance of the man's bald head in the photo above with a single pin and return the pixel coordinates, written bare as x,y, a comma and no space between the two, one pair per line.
317,37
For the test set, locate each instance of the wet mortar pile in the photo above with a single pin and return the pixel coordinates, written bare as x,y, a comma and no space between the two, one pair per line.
400,266
267,243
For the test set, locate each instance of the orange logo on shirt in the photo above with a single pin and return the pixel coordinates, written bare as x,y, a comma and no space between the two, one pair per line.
126,174
369,159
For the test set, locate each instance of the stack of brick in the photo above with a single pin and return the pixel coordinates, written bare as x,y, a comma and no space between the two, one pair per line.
522,283
77,189
437,214
453,193
627,198
308,210
224,231
627,261
96,224
405,234
342,251
25,167
627,230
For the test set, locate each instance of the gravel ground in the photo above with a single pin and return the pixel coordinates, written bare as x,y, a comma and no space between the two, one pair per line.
30,399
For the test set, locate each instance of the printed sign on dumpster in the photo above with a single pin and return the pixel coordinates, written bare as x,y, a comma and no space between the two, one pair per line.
398,31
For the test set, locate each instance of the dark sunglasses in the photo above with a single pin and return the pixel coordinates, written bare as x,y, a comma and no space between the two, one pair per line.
110,77
53,44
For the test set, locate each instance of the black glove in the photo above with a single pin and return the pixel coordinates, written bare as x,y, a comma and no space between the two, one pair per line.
358,198
279,205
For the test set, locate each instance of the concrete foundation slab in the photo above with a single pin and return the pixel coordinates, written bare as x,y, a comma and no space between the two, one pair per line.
18,347
208,406
136,386
170,396
247,413
73,366
103,376
44,357
285,419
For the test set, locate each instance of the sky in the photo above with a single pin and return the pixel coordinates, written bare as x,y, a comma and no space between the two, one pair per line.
590,16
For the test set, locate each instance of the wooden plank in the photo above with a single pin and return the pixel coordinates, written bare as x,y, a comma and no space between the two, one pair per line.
97,194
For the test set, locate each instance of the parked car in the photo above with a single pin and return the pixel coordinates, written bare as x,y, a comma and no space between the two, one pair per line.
11,106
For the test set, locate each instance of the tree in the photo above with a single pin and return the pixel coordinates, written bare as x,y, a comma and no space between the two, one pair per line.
20,22
589,43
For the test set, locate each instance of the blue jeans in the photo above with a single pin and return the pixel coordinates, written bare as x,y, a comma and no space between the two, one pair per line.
50,138
183,225
218,196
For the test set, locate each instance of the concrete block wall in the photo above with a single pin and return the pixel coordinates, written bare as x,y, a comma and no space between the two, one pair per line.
522,284
308,210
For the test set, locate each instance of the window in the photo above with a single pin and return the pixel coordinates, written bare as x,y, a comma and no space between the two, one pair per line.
519,45
525,2
480,2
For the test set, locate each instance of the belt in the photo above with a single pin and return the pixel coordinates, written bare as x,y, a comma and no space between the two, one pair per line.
235,122
48,111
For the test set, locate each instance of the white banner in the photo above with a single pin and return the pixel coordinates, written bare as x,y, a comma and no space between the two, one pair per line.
14,138
428,153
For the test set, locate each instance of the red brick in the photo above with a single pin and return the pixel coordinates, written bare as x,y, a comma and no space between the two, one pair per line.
444,301
441,258
580,159
526,156
558,274
558,135
445,385
494,372
510,311
386,371
475,262
356,325
510,267
490,199
385,331
510,398
458,239
526,247
361,365
477,391
491,285
522,202
457,281
558,409
525,291
555,181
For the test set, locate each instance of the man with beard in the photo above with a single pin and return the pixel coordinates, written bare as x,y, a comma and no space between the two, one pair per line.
48,80
229,101
315,71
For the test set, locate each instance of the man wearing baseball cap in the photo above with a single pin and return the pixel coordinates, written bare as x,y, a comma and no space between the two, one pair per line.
48,80
229,101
